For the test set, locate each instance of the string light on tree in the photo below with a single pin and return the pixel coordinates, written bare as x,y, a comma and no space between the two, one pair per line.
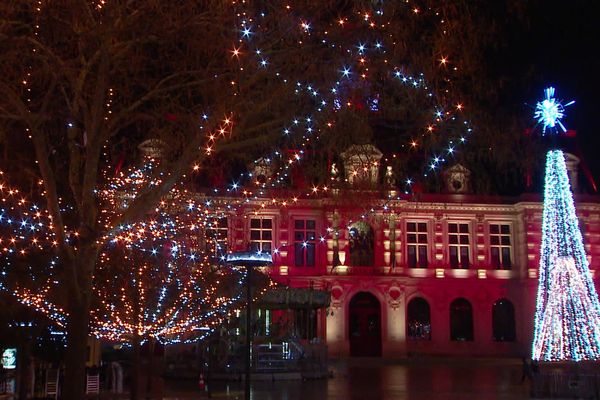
359,53
158,278
360,43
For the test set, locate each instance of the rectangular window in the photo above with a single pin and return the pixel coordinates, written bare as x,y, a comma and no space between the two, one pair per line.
304,242
217,237
459,244
261,234
416,244
500,246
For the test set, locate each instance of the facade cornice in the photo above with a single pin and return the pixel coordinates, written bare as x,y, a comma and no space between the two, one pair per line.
392,205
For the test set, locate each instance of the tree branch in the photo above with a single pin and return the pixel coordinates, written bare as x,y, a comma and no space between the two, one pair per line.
93,148
155,91
143,203
40,142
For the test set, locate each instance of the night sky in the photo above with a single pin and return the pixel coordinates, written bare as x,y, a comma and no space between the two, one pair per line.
562,46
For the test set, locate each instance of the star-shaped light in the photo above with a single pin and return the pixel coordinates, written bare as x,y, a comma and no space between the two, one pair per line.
246,32
550,111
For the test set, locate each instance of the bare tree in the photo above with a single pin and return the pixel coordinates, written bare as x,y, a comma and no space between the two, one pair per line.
85,82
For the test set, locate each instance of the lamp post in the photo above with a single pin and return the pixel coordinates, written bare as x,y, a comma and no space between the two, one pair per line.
250,260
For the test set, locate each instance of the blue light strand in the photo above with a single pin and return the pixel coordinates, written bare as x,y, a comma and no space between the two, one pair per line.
313,133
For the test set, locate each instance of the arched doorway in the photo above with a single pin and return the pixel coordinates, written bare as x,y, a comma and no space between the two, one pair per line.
461,320
365,326
503,321
418,318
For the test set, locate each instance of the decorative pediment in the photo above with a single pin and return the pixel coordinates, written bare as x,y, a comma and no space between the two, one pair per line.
457,179
262,169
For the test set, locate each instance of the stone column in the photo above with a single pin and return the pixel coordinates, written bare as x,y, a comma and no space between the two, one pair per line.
392,241
440,323
335,335
394,339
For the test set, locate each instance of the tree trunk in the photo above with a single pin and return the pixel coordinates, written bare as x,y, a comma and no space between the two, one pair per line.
150,369
76,354
79,296
134,389
24,368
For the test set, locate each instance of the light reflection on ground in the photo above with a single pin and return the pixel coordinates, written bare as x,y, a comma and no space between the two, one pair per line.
366,379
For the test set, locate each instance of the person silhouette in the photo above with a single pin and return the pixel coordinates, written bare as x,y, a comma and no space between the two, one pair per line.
526,371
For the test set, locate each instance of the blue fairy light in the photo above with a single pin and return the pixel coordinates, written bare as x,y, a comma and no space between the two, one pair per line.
246,32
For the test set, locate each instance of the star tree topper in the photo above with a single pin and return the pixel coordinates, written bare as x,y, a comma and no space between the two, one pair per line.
550,111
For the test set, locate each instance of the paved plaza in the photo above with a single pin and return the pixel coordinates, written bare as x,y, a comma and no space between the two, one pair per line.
367,378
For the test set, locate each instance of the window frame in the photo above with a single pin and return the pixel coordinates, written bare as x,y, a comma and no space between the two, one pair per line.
407,244
305,248
216,231
261,229
458,244
371,255
500,246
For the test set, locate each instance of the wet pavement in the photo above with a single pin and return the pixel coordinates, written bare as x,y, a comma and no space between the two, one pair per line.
371,379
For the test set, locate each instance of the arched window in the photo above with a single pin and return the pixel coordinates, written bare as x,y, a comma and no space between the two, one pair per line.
418,319
503,321
461,320
361,245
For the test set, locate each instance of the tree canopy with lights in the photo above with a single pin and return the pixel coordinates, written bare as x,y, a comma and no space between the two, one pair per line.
217,84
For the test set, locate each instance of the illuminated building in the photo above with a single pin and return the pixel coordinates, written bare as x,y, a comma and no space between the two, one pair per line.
448,273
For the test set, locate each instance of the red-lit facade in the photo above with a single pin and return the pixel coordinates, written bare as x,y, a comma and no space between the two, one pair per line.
445,274
425,274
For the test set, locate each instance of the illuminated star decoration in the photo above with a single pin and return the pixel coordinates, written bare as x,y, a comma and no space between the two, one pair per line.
550,111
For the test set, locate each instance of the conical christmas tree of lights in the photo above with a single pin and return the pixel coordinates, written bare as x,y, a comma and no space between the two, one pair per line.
567,318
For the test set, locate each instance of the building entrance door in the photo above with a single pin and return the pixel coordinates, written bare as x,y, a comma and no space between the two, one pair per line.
365,326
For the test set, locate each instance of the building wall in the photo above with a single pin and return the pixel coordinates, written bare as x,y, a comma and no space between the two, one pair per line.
395,284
